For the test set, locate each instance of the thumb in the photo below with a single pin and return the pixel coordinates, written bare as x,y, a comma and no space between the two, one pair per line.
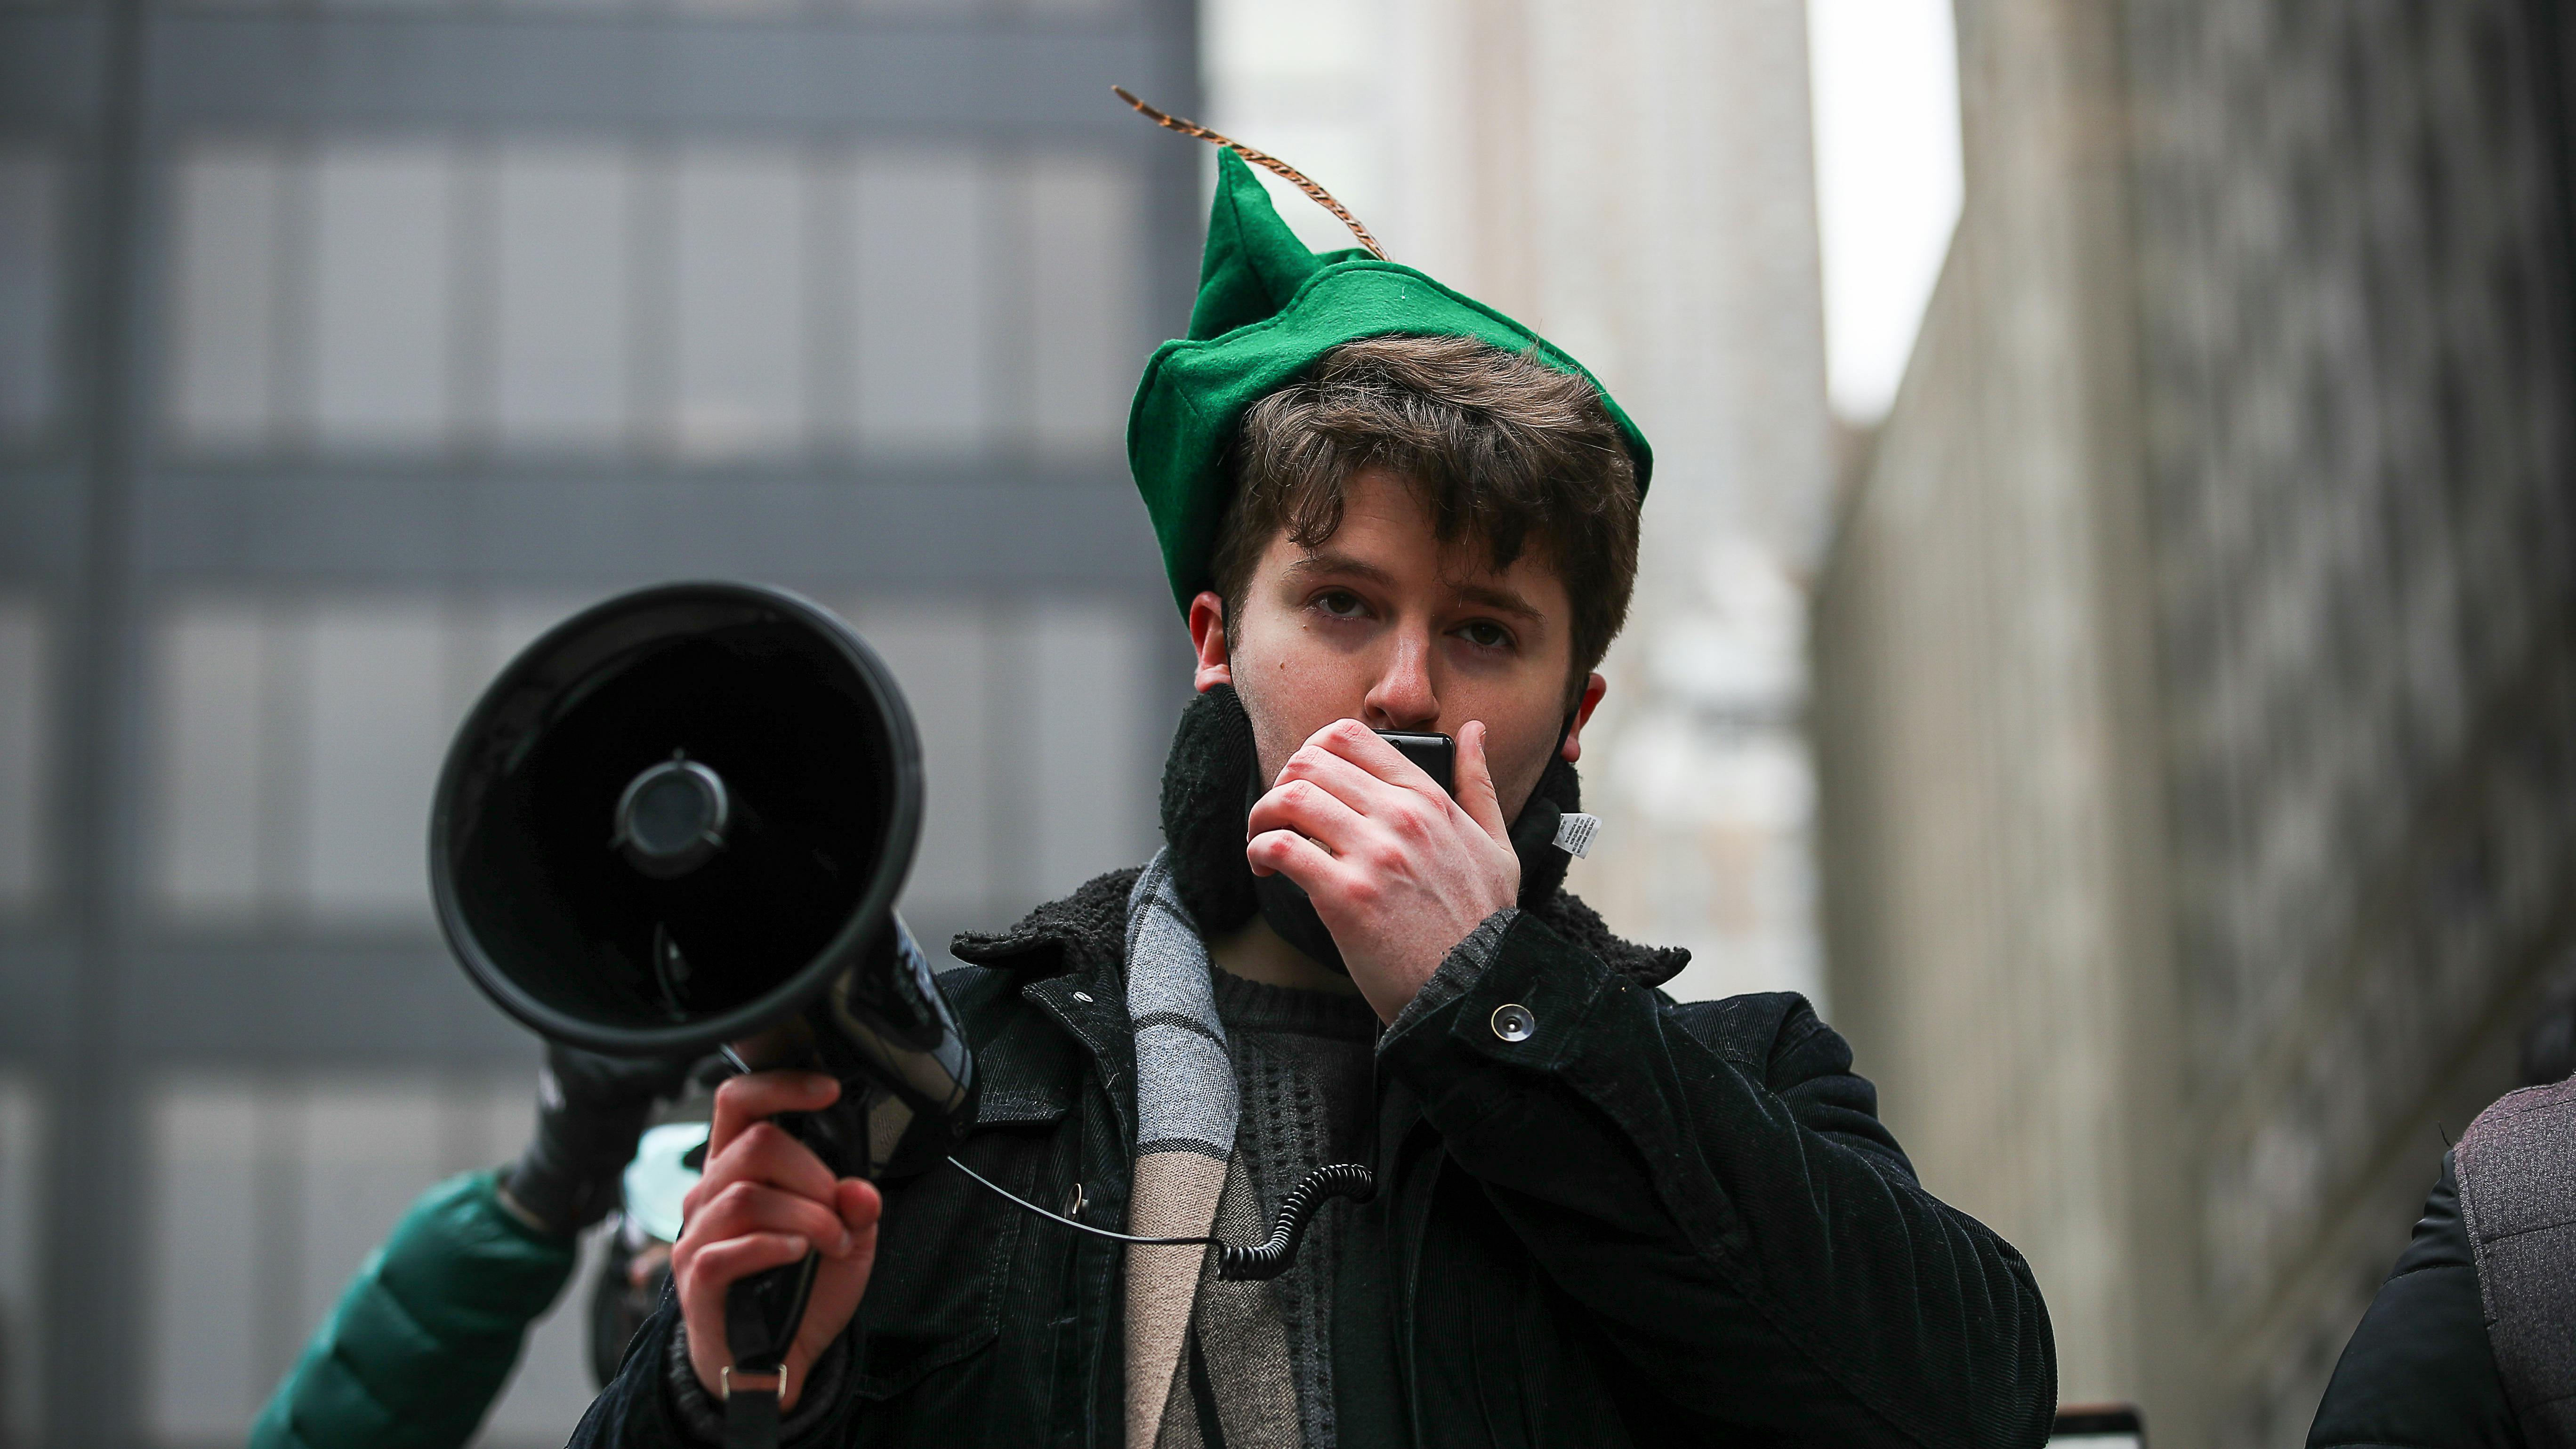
1476,783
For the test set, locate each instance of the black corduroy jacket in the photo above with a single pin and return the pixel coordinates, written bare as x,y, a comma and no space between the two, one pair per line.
1635,1223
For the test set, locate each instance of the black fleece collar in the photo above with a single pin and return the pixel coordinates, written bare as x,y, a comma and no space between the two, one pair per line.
1203,823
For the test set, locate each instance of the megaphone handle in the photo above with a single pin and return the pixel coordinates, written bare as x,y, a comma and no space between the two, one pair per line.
762,1314
763,1311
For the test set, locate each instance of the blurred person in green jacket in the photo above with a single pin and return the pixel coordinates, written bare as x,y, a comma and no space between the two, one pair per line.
426,1334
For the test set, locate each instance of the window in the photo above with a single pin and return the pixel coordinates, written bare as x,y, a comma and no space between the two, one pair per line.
214,852
1038,735
923,233
1085,352
1084,699
372,719
943,659
384,296
740,232
231,253
758,303
564,288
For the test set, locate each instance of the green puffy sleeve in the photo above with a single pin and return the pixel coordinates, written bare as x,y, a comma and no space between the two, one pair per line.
427,1332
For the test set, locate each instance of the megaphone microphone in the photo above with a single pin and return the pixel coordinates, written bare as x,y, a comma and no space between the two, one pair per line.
678,822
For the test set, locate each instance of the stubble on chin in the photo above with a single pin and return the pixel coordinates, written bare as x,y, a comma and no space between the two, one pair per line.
1270,742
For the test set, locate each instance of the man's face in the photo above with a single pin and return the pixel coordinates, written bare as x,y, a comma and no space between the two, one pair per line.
1381,624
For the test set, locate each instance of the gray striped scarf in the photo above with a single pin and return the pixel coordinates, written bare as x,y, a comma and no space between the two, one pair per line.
1186,1110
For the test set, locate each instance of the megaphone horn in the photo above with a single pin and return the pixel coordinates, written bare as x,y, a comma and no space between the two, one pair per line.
679,821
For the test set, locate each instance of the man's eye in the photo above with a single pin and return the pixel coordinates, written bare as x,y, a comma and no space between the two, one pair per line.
1340,603
1486,634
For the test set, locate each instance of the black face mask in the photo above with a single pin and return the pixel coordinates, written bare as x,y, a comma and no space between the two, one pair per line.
1210,784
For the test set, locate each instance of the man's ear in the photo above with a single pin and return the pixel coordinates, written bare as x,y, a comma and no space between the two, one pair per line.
1594,686
1207,636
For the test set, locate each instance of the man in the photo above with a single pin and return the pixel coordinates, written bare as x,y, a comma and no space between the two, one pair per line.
1599,1217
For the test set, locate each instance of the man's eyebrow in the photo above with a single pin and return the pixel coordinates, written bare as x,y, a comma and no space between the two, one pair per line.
1341,563
1500,600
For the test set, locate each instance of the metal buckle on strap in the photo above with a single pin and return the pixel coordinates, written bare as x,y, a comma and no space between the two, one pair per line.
770,1381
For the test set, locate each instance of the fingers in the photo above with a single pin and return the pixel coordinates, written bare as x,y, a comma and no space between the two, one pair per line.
1308,808
859,1205
747,1208
744,1100
703,1279
1350,740
1399,794
1407,816
744,1147
1345,777
1285,852
1476,793
764,1153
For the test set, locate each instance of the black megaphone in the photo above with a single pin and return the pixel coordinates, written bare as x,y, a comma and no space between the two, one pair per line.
677,822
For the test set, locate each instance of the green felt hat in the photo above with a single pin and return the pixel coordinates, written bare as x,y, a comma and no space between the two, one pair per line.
1267,310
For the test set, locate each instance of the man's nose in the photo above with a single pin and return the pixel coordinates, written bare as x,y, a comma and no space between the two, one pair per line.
1403,698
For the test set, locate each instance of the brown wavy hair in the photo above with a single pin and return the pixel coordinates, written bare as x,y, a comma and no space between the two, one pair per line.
1502,449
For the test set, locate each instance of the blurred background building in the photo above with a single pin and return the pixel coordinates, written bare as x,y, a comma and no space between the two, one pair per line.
2196,693
342,347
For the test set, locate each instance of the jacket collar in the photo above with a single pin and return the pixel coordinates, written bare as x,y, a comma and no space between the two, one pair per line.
1565,913
1066,959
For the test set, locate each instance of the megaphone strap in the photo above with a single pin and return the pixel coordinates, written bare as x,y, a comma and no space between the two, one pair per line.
751,1409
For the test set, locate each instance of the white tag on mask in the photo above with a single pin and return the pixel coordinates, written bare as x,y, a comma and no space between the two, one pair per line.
1574,834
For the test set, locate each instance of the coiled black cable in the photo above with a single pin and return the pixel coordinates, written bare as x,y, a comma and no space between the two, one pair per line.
1261,1261
1236,1263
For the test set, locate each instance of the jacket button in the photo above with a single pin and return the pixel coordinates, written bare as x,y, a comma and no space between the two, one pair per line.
1083,996
1074,1202
1513,1022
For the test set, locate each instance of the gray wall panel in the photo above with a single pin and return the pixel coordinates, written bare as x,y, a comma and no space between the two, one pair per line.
687,74
50,62
40,523
35,975
1005,533
297,1004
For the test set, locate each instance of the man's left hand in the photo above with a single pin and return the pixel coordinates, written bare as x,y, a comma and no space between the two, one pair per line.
1399,872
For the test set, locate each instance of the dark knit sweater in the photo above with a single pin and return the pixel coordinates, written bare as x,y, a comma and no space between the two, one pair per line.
1305,1073
1301,1069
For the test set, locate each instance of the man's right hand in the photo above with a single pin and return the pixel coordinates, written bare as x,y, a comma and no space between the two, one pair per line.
764,1200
